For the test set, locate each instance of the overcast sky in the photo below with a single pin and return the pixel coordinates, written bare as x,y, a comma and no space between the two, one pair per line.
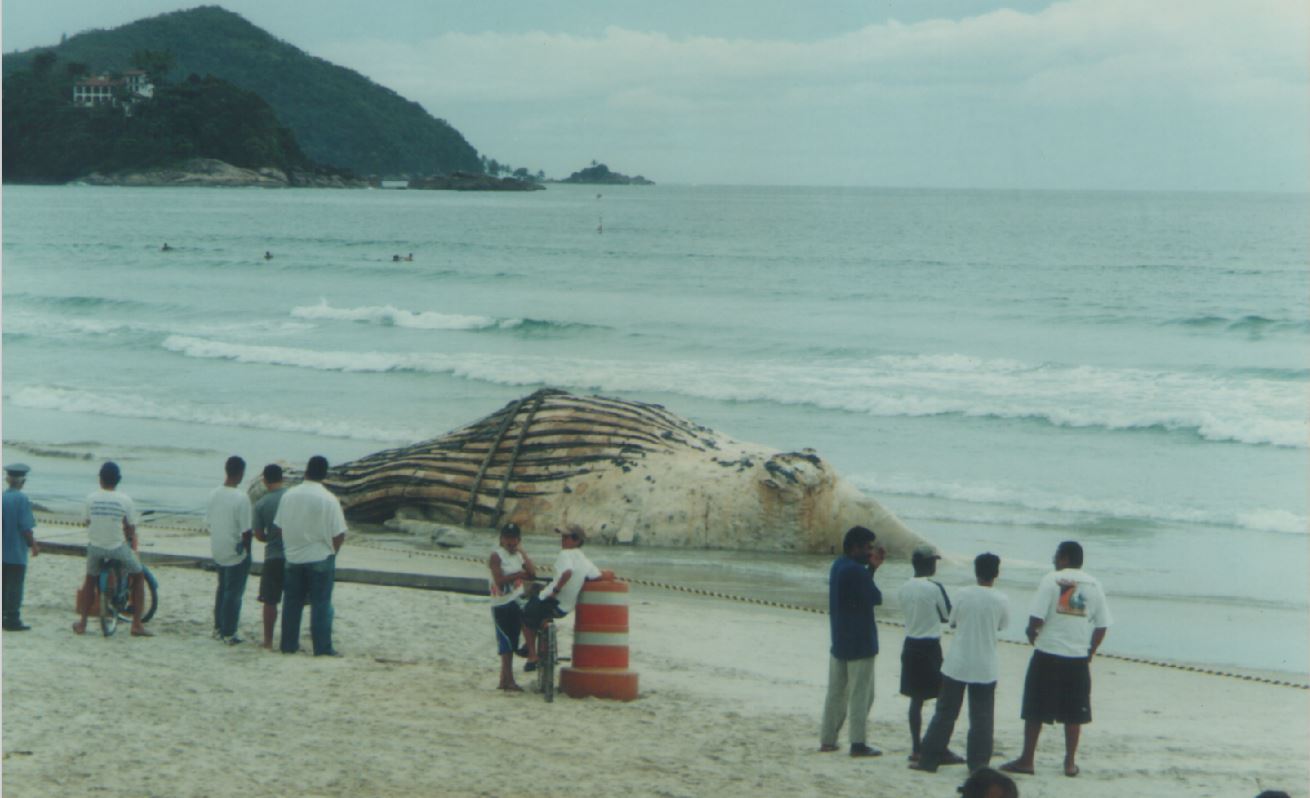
1102,94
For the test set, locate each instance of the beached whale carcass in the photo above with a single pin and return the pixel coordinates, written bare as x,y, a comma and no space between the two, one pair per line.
628,472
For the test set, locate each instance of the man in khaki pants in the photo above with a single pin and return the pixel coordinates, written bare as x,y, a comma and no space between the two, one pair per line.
852,595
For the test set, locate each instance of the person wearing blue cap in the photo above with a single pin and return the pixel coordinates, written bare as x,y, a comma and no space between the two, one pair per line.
110,518
19,539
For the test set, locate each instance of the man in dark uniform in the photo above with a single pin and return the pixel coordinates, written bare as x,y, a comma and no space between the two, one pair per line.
852,595
18,541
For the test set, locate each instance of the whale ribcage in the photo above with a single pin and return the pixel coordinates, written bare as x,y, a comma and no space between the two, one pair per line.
531,447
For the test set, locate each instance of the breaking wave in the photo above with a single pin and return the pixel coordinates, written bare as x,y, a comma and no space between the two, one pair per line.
1020,499
391,316
1212,407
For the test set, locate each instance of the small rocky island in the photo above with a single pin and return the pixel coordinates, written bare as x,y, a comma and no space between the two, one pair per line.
468,181
600,174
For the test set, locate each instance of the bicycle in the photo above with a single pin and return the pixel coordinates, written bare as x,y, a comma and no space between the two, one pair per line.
115,595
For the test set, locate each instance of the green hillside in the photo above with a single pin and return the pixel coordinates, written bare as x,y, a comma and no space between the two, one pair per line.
48,140
340,118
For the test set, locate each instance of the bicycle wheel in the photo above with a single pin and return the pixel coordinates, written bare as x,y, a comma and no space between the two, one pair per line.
108,612
546,661
150,594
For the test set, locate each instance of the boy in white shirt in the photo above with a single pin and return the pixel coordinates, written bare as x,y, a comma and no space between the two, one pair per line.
110,518
228,518
572,569
511,572
926,607
980,612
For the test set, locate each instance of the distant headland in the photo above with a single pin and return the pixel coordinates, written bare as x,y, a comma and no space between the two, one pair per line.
204,98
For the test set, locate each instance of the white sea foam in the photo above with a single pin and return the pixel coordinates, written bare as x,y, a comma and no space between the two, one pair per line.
1025,498
128,405
1214,407
53,325
388,315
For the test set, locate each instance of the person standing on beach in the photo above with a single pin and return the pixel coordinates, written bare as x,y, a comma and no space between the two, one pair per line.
572,569
980,612
313,530
228,519
926,607
852,595
110,519
1067,623
19,539
511,571
272,577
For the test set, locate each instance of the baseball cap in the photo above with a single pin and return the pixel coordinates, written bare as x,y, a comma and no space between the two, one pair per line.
576,531
925,551
511,529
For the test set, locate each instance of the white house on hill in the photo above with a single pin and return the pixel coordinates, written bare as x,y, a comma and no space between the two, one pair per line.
99,90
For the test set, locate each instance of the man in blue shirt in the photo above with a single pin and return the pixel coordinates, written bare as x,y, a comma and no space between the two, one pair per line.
852,595
18,540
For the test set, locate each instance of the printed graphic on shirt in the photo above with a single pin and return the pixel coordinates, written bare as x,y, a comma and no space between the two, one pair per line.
106,508
1071,599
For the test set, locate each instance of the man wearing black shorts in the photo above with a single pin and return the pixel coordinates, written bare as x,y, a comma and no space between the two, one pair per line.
1067,622
925,606
272,576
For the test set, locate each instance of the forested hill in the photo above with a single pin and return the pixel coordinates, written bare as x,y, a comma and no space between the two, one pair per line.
340,117
49,140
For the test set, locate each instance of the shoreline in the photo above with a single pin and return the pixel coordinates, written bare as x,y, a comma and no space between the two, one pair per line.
435,568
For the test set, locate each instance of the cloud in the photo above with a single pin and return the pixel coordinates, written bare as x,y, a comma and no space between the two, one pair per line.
1122,63
1214,44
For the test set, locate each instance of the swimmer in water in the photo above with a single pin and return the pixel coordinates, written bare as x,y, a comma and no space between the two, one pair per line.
165,248
268,255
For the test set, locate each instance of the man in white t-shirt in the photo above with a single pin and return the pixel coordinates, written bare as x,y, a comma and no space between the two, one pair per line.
228,518
1067,622
925,607
313,530
980,612
110,518
572,570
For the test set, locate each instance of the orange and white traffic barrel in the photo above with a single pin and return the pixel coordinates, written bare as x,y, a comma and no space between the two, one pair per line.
600,644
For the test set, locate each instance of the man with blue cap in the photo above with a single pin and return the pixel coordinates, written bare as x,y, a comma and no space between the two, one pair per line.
18,541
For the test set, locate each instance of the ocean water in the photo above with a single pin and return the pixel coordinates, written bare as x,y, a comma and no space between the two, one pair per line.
1004,370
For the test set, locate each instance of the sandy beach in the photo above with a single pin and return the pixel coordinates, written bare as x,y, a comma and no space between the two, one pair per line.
729,705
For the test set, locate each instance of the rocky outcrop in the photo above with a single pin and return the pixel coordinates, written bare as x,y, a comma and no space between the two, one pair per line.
600,175
467,181
214,173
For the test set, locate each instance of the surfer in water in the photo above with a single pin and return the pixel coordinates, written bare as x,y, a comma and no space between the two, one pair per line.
165,248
